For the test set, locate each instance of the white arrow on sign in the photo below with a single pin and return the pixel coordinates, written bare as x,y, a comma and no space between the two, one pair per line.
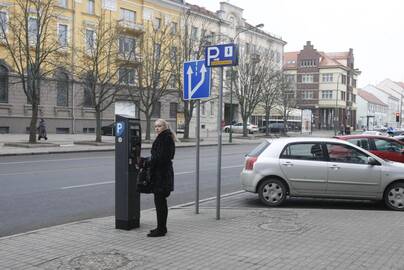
191,91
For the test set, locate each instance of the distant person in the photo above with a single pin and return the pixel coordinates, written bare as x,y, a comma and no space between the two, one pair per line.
390,131
42,130
348,130
162,173
341,130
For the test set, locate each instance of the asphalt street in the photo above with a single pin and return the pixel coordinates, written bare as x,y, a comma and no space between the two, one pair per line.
46,190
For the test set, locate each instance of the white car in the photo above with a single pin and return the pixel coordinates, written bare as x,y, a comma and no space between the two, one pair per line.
321,167
238,128
374,132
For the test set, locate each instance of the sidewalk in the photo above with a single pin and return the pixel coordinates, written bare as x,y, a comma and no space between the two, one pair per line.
66,142
251,237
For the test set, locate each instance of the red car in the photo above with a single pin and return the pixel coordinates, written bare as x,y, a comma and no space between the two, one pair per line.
384,147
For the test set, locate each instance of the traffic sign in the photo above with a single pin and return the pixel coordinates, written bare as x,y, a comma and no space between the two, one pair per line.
196,80
119,129
221,55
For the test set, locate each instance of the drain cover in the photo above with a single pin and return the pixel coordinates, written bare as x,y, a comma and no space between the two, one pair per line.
99,261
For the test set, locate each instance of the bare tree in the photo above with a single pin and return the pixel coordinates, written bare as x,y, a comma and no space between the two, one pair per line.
155,73
193,37
103,66
249,83
270,91
32,48
287,98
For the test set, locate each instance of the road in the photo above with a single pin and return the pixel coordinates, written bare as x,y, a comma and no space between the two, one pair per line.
45,190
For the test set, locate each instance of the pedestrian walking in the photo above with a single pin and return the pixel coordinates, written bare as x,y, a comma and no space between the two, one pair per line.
162,173
42,130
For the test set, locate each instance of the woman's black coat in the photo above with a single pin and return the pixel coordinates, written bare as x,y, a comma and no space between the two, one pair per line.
162,152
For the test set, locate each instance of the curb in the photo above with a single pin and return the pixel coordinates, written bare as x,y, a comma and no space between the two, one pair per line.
101,150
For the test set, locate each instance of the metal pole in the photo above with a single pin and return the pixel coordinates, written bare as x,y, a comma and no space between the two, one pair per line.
336,108
219,142
231,106
198,124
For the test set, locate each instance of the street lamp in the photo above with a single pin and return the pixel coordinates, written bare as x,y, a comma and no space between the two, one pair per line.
336,107
231,78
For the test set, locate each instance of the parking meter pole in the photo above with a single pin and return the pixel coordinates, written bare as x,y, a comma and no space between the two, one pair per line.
127,154
231,106
198,133
219,143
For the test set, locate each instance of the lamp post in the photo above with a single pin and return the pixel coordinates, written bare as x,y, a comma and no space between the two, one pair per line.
231,79
336,107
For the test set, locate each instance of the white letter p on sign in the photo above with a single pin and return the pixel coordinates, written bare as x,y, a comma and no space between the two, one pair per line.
213,52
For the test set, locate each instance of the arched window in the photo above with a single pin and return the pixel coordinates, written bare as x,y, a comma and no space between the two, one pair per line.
62,88
88,100
3,84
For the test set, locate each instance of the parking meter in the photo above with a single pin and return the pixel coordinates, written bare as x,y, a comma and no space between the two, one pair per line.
127,154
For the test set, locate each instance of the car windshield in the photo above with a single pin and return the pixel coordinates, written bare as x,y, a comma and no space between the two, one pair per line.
259,149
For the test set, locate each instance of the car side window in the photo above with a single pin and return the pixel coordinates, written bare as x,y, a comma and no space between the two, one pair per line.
387,145
346,154
303,151
361,142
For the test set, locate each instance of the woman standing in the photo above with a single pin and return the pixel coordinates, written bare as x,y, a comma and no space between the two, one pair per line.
162,174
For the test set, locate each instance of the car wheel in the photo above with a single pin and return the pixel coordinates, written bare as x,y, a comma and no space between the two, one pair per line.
226,130
394,196
272,192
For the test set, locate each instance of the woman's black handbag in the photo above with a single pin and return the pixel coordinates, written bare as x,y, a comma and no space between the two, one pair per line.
144,181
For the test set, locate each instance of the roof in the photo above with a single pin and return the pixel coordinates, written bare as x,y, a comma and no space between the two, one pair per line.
369,97
202,10
290,59
400,84
327,59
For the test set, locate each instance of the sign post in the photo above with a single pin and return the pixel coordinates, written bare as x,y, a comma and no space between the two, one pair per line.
197,79
219,56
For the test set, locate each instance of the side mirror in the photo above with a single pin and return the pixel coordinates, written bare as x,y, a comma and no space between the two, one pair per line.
372,161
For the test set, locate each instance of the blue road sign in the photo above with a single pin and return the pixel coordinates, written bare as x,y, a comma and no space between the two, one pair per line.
221,55
119,129
196,80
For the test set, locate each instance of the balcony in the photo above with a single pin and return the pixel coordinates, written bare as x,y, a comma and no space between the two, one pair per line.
129,60
131,27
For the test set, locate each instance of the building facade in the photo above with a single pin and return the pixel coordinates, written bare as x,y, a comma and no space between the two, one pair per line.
371,111
325,84
396,91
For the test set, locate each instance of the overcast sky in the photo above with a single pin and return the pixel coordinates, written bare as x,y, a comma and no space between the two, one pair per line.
373,28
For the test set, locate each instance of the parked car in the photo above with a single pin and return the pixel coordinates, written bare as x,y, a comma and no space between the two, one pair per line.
274,128
321,167
108,130
385,147
400,138
374,132
238,128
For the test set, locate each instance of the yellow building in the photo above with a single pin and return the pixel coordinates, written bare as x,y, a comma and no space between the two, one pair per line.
64,102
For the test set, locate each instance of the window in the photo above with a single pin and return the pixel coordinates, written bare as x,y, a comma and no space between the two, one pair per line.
127,47
327,77
303,151
62,88
387,145
307,95
361,142
308,63
326,94
126,75
90,7
4,130
62,35
62,131
290,78
3,84
278,57
345,154
342,95
173,54
157,23
212,108
63,3
128,15
174,26
88,130
88,100
156,110
307,78
173,109
90,40
3,24
343,78
353,98
32,30
194,33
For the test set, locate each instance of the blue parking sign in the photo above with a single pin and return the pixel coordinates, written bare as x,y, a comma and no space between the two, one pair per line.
196,80
221,55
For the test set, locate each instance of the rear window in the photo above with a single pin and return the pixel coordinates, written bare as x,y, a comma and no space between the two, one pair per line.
259,149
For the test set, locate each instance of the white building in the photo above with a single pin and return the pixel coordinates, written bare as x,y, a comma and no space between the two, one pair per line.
371,111
396,90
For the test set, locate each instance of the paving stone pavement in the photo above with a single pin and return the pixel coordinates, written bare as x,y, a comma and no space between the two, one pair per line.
244,238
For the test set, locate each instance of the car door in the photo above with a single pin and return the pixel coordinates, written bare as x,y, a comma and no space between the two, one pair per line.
238,128
388,149
349,173
305,168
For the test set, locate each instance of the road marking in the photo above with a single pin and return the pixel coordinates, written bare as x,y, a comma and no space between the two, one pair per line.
52,160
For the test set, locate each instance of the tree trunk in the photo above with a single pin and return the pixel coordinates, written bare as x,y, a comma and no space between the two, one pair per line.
98,137
187,118
267,113
148,125
34,120
245,131
285,121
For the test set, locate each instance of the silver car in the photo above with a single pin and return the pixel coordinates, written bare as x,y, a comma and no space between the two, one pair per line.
321,167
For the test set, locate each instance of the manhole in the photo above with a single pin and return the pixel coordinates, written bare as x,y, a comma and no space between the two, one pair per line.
99,261
281,227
